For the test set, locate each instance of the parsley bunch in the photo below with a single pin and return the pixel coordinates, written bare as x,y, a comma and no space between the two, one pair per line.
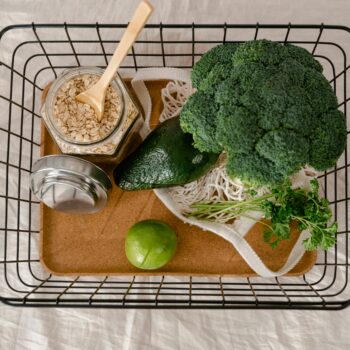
281,207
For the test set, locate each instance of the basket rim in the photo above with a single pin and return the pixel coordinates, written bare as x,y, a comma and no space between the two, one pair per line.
328,305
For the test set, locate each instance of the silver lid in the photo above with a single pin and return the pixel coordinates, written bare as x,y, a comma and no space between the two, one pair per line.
70,184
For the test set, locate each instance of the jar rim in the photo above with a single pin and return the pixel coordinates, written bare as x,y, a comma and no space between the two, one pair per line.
70,74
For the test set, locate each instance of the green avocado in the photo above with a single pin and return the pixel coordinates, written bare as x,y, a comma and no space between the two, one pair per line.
166,158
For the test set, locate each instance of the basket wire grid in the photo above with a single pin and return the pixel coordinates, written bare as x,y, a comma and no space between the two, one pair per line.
32,55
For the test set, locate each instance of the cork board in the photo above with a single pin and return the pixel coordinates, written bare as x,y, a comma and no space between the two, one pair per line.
94,244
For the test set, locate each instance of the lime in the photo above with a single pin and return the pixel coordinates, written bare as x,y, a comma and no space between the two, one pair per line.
150,244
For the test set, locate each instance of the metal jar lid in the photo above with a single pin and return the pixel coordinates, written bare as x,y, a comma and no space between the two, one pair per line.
70,184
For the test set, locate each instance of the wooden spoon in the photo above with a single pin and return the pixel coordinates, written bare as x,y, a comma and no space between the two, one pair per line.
95,96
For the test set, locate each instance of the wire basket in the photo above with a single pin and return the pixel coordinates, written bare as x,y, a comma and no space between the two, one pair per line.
33,55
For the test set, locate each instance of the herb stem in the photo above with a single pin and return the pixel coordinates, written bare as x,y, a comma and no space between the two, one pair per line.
280,206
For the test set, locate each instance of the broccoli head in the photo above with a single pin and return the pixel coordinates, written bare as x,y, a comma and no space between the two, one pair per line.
268,106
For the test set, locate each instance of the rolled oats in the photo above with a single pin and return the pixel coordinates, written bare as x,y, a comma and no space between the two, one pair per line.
74,126
78,121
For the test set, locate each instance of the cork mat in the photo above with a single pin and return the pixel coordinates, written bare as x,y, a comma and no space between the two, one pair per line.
94,244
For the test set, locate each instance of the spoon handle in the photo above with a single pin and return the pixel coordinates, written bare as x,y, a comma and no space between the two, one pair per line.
134,28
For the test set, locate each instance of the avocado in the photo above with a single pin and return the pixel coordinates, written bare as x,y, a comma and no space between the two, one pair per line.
165,158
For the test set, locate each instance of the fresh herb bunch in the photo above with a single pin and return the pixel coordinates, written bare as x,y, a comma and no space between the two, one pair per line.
281,207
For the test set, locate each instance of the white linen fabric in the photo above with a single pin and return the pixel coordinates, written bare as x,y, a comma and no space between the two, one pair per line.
37,329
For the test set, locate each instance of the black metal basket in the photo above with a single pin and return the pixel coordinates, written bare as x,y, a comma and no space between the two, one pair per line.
32,55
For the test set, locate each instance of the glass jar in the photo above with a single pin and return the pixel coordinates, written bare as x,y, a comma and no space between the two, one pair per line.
118,133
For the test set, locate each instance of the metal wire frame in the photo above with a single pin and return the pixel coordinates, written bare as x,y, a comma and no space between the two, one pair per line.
166,292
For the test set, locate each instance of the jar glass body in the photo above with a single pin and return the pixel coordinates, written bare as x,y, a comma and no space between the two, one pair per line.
114,146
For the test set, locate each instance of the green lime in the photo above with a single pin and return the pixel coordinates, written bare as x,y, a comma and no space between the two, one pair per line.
150,244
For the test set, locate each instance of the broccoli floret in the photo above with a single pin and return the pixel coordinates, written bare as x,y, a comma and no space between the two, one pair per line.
216,76
251,73
232,135
243,87
221,54
270,109
243,165
319,92
328,140
228,93
260,51
298,111
286,148
271,102
291,72
303,56
199,117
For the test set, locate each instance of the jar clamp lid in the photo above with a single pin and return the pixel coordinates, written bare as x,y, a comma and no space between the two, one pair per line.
70,184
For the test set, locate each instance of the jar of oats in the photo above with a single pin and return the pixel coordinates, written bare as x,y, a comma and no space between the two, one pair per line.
74,125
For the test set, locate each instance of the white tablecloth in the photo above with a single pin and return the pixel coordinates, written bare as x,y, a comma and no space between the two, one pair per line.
37,329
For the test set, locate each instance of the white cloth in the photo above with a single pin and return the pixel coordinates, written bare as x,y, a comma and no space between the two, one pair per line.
55,329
